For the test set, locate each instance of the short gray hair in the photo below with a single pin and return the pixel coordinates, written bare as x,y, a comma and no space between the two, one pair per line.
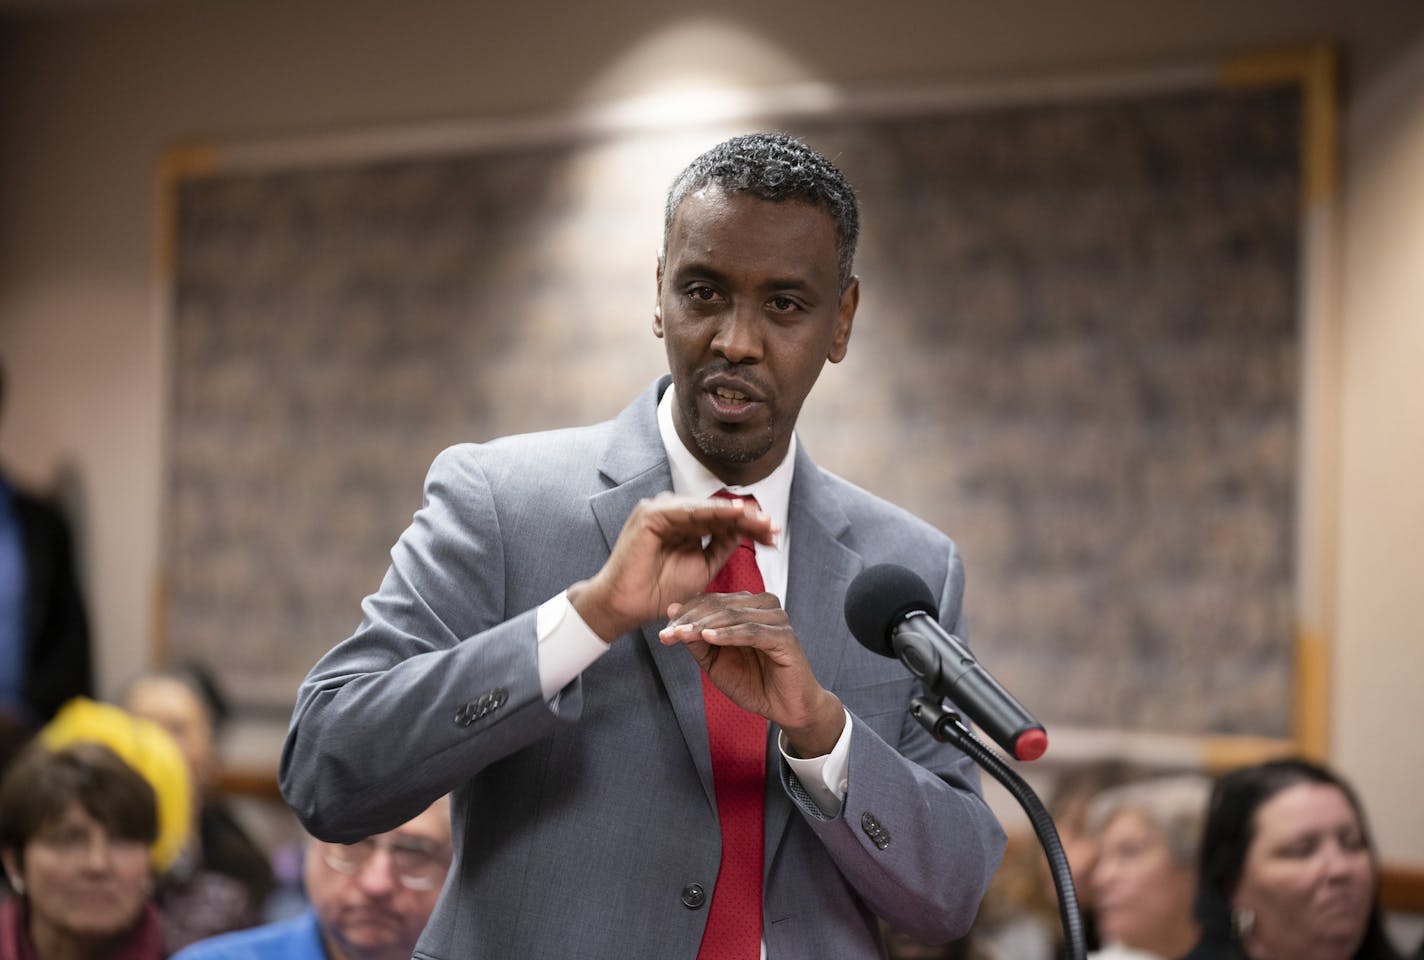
1176,805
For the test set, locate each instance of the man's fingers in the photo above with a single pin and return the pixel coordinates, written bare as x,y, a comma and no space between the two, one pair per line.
739,619
729,606
714,516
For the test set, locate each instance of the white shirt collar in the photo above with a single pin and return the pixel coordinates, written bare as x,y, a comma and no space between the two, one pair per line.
691,478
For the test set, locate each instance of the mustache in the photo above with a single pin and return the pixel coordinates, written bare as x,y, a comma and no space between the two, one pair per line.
377,912
732,371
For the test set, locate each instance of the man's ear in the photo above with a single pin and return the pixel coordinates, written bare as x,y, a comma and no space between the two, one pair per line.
845,319
658,304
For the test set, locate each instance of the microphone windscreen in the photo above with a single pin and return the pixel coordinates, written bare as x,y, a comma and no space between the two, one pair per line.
880,597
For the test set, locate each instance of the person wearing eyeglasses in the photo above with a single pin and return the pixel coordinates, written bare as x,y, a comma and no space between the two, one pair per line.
369,899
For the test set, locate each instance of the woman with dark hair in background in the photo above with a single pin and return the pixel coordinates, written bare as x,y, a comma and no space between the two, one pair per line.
76,827
1287,869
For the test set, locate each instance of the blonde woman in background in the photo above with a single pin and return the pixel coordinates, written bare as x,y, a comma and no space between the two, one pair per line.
1144,879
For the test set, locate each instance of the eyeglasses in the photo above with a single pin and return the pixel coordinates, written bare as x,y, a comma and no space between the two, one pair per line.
416,866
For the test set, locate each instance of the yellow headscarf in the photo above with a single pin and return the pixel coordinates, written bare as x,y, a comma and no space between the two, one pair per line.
146,747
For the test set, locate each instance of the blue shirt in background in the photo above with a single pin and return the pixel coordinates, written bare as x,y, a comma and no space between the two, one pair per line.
13,584
296,939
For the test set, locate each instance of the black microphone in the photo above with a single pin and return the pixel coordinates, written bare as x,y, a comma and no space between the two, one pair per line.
892,613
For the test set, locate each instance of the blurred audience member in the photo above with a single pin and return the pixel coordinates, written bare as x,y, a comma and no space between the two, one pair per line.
193,903
76,826
1019,919
144,746
1144,878
44,632
369,900
187,703
1288,869
1073,793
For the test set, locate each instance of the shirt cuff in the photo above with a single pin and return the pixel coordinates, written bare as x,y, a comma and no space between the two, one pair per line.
567,645
823,777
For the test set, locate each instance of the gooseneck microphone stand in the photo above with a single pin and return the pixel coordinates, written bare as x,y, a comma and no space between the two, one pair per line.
947,727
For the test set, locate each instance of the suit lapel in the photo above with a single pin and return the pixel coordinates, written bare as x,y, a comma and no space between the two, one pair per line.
635,463
819,570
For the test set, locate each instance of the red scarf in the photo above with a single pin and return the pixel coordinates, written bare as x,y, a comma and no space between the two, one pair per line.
142,941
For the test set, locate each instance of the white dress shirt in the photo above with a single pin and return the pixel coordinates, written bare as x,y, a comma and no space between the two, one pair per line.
567,646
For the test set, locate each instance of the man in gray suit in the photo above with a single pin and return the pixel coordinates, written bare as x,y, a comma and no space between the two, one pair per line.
542,645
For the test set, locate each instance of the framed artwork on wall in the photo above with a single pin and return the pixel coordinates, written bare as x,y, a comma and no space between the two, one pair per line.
1094,346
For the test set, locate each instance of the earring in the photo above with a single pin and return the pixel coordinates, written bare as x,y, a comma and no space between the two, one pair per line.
1243,921
18,886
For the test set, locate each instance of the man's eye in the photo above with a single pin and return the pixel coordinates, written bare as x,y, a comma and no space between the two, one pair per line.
703,293
413,856
783,304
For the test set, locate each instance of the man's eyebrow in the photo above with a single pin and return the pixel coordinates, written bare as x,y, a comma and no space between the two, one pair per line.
420,843
697,268
788,283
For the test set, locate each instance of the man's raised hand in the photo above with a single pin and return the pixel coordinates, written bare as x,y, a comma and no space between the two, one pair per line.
667,553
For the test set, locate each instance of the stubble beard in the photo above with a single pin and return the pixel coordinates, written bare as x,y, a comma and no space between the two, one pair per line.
719,445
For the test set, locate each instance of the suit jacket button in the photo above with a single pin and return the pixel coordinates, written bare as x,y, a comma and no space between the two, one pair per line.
465,715
693,896
875,831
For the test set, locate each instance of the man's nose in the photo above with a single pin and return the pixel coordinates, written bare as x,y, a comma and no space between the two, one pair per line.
377,875
739,334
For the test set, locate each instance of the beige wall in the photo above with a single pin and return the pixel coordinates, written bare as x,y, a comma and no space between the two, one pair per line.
1379,659
93,96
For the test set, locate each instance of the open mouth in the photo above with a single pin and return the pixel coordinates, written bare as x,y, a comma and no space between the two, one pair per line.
731,402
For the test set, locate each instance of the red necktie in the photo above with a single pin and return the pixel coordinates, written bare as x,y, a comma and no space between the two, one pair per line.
738,742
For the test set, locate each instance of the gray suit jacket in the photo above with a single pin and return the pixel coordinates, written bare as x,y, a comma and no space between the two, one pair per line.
579,826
